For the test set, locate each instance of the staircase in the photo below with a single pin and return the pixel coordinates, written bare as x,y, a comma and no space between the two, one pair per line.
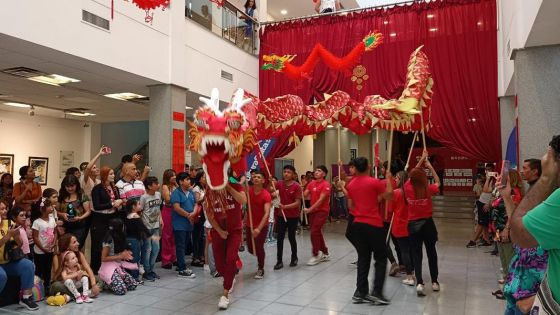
454,208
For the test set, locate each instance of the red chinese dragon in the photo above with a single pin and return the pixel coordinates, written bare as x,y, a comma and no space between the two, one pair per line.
223,138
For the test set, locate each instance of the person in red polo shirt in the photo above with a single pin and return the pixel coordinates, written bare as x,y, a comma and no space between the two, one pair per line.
319,191
421,226
290,199
260,201
366,232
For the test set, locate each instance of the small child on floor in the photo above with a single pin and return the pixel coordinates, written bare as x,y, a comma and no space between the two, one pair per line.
74,277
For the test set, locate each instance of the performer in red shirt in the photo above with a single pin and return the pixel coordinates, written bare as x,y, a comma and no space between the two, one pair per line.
421,226
400,227
260,201
227,227
319,191
290,199
366,232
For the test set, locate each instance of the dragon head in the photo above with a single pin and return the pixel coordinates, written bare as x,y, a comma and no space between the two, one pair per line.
221,138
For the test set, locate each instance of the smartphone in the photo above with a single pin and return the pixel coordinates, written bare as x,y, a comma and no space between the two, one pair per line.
506,167
107,150
492,174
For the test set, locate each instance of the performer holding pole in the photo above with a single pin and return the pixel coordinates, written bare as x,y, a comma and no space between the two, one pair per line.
227,226
259,204
291,196
270,175
320,192
376,152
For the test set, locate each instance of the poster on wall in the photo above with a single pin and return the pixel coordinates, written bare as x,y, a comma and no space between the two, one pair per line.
6,163
66,162
41,167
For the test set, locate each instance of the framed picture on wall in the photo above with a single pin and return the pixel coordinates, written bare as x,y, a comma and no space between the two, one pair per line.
6,163
41,167
66,162
353,153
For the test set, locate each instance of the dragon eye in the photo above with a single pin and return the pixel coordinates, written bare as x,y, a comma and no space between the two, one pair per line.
201,124
234,124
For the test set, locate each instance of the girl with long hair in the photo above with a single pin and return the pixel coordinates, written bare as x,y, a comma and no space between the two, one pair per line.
421,227
106,205
7,188
400,226
168,257
198,236
74,208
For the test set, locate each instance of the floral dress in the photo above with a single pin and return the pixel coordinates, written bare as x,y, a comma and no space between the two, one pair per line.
526,272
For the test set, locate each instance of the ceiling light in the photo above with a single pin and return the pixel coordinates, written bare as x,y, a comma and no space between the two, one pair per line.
80,114
283,12
433,29
21,105
188,107
125,96
393,34
53,79
430,16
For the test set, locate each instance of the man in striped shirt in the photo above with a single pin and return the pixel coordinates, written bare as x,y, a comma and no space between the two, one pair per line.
129,187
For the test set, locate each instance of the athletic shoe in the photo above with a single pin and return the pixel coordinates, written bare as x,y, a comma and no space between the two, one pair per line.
377,298
358,298
197,263
149,277
155,275
394,269
325,257
87,299
279,265
29,304
471,244
315,259
216,274
294,262
435,286
187,273
224,303
79,300
260,274
206,268
420,290
409,282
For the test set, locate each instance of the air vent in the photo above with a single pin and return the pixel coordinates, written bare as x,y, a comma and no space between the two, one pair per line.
95,20
227,76
23,72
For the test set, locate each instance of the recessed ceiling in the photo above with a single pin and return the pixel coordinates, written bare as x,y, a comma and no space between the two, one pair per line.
96,80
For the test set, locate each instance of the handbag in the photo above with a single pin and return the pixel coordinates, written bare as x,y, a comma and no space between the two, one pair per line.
416,225
12,251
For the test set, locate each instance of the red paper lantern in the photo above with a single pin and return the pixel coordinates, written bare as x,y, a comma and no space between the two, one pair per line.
149,5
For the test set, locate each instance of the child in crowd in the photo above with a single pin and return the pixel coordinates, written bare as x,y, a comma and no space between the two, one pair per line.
52,195
136,235
74,277
151,216
17,215
114,260
183,201
44,237
275,207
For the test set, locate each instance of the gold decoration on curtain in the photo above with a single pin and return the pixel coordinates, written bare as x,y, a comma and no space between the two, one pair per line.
359,76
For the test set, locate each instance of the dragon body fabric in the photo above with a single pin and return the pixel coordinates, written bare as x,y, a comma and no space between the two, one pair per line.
223,139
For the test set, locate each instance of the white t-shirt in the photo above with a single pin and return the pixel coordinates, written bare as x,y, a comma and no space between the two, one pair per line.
46,233
327,4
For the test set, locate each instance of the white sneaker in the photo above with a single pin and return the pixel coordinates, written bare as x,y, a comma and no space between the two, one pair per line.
435,287
325,257
420,290
87,299
224,303
141,269
409,282
315,259
206,268
79,300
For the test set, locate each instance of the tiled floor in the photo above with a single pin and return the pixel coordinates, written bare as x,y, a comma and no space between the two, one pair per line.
467,277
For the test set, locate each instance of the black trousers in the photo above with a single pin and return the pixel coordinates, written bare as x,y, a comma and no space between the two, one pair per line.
281,227
427,235
405,253
99,227
368,239
43,266
198,240
390,255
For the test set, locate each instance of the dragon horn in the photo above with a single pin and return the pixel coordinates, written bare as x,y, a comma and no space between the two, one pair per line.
238,102
214,101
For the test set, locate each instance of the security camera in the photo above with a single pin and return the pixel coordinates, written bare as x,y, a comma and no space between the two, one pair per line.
31,111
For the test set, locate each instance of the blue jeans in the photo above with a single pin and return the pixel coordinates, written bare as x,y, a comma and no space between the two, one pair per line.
341,206
181,240
513,310
22,268
137,247
151,250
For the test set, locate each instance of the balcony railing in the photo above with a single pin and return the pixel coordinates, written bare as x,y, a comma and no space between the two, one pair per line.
228,22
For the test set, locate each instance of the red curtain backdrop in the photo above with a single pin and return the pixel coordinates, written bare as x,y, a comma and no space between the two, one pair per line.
459,37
